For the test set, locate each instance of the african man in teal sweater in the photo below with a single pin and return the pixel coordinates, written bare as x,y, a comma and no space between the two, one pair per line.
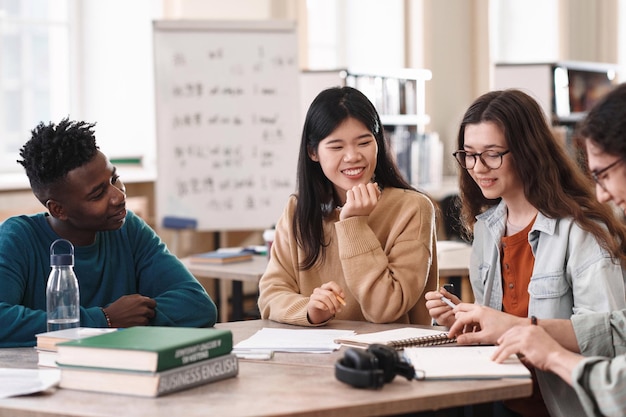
127,276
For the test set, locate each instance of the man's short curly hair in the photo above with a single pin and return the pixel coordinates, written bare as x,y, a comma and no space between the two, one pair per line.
53,151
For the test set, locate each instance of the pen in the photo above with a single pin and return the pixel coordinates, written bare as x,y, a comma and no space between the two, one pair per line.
448,302
341,300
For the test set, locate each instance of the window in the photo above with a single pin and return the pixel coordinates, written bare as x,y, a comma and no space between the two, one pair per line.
324,37
34,70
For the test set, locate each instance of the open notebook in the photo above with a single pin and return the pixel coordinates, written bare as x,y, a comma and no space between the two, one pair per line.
398,338
462,362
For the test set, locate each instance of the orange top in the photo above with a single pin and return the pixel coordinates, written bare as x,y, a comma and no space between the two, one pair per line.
518,262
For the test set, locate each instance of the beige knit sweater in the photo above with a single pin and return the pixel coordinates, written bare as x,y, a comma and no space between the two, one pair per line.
384,262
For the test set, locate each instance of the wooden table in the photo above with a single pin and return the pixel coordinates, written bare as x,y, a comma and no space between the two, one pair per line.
452,259
290,384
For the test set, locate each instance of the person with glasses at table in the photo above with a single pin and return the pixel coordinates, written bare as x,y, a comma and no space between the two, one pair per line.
587,351
543,246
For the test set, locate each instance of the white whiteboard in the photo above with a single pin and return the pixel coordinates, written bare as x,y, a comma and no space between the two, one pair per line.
227,110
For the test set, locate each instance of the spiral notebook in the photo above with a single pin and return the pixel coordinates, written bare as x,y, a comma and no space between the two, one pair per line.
399,338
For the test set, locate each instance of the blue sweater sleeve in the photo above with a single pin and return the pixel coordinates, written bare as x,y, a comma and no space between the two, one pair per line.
181,299
24,268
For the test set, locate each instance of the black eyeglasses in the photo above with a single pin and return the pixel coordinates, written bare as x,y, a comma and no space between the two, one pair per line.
490,159
599,177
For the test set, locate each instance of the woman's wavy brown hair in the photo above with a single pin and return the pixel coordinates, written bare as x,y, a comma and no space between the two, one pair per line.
553,182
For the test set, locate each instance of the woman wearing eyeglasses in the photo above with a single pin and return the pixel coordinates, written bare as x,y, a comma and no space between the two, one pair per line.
543,246
588,351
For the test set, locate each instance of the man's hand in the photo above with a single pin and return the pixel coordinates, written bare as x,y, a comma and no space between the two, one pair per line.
131,310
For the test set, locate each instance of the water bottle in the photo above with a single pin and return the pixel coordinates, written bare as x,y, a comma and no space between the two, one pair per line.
62,294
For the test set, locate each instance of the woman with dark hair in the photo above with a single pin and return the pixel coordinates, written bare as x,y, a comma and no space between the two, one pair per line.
587,351
356,241
543,246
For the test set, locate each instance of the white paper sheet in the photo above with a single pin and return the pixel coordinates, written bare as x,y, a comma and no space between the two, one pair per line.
14,382
293,340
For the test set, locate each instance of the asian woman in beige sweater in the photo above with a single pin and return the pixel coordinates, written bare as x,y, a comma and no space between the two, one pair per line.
356,241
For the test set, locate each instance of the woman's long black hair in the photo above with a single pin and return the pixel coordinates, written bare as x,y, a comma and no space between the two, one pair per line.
316,193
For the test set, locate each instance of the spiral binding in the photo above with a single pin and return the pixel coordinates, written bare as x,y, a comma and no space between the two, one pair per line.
432,340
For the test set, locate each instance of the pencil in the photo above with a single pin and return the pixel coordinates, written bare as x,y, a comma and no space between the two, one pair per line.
341,300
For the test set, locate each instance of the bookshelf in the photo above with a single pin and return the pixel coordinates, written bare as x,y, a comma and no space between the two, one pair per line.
399,96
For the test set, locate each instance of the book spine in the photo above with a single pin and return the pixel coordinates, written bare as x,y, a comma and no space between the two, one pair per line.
220,345
222,367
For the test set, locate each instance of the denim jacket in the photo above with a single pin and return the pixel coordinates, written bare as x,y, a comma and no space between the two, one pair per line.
573,274
599,378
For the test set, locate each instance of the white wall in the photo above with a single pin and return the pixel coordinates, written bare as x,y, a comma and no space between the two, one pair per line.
375,34
326,36
525,31
449,37
218,9
355,33
458,74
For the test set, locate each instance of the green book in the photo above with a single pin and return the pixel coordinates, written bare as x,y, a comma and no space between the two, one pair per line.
146,348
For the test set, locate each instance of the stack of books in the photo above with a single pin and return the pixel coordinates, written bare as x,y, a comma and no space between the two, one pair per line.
46,342
147,361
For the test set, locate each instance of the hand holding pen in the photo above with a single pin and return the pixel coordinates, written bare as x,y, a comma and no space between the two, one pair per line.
325,302
440,305
448,294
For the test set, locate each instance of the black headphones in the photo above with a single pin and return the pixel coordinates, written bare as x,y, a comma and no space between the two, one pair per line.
373,367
